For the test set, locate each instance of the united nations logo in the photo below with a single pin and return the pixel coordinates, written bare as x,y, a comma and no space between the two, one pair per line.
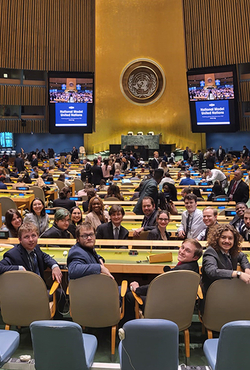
142,82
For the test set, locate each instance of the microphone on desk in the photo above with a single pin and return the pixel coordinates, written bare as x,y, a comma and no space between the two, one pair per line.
166,268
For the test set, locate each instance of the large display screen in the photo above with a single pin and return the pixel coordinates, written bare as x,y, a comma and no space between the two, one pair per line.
71,102
213,99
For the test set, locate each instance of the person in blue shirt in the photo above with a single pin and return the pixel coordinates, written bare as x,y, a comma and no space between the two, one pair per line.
187,180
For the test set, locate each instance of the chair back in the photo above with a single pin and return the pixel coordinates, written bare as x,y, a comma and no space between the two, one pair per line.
39,193
149,344
172,296
226,300
94,301
142,236
6,204
233,347
9,342
60,184
78,185
23,297
112,199
59,345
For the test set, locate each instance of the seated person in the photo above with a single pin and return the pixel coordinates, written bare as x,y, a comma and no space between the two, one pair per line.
113,229
13,220
150,213
221,258
113,191
216,190
197,192
245,228
187,180
210,220
63,200
160,231
188,255
38,215
238,220
2,183
76,219
192,219
90,194
28,256
82,258
19,183
60,226
96,213
185,191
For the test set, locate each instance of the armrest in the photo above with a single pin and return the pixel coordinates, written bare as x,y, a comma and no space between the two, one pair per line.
124,287
199,292
137,298
138,301
54,287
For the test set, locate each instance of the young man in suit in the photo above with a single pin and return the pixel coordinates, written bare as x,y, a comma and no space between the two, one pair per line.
113,229
188,255
82,258
28,256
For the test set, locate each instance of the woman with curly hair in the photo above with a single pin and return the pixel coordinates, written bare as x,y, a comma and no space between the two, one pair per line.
222,256
96,214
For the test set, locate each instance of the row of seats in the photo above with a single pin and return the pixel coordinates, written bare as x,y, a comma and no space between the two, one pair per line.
145,345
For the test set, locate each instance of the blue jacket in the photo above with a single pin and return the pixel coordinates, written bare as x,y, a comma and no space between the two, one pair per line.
82,262
187,181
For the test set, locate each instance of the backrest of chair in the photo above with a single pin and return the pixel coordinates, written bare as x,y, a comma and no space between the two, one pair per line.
58,345
78,185
149,344
6,204
226,300
60,184
233,347
94,301
142,236
23,297
172,296
39,193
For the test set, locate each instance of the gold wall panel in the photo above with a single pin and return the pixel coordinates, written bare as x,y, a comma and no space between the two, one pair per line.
131,29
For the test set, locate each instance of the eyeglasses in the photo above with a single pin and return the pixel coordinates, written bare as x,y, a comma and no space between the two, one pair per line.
86,236
163,219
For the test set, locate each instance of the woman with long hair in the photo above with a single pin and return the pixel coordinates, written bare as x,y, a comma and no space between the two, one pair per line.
96,214
13,220
160,231
37,215
76,219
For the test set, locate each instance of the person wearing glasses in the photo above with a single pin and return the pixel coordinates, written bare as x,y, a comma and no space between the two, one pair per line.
160,232
82,258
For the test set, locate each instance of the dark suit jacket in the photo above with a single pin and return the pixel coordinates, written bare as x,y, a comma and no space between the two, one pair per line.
18,256
64,203
105,231
214,266
155,234
222,156
154,164
19,164
241,193
97,175
151,222
185,155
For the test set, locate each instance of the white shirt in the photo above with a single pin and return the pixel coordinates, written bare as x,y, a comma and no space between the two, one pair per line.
196,224
216,175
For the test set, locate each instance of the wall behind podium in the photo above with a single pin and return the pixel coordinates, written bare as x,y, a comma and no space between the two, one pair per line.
127,30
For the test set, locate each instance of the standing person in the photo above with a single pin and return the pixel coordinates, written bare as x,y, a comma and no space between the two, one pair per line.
74,154
82,258
34,161
38,215
245,152
221,258
216,175
149,188
96,214
185,154
210,160
113,229
19,163
238,190
191,220
106,168
200,158
155,161
220,154
96,173
86,172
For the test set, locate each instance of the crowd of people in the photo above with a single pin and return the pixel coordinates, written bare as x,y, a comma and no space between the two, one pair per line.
156,196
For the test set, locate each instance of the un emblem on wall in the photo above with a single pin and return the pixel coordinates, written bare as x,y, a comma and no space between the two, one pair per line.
142,81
